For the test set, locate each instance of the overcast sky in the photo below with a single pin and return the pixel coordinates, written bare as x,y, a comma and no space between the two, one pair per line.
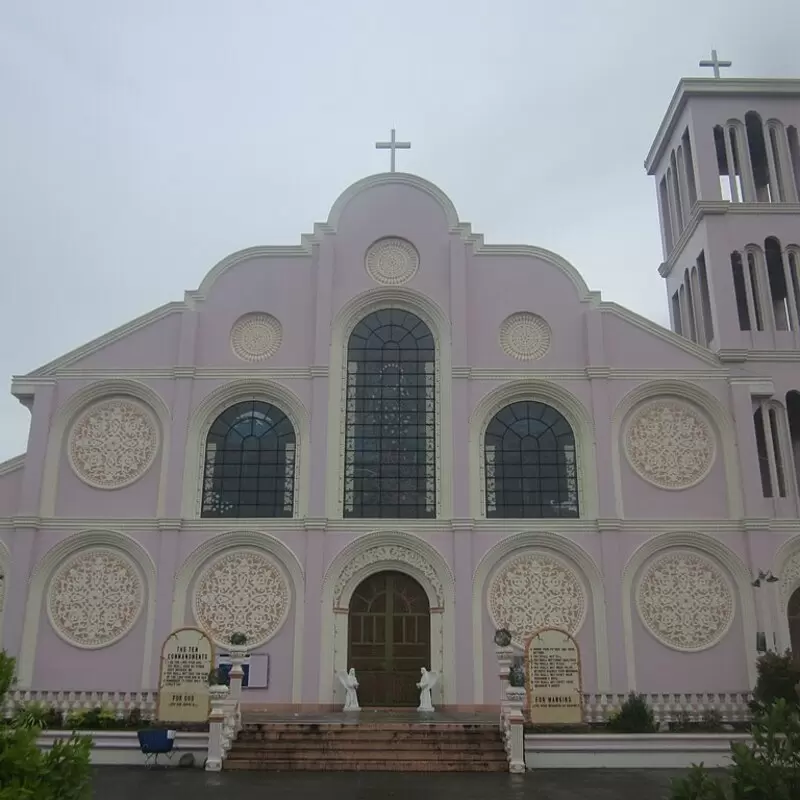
141,142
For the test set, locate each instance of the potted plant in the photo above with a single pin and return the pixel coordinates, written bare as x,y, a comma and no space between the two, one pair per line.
238,642
516,676
502,637
218,679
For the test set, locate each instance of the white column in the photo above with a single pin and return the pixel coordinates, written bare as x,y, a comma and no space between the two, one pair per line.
735,196
673,207
791,299
787,172
773,465
697,303
505,657
683,189
775,188
685,311
238,656
746,167
216,722
516,761
750,276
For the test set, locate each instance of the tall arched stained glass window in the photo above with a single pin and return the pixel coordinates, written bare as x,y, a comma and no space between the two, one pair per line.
529,453
249,463
390,435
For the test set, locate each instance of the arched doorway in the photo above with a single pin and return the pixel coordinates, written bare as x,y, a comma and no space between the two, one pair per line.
389,626
793,613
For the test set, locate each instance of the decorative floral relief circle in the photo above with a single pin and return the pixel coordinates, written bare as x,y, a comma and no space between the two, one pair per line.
534,590
525,336
242,591
255,337
670,444
790,576
95,598
392,261
685,600
388,553
113,443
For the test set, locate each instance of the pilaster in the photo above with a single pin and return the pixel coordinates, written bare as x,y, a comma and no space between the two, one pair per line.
33,471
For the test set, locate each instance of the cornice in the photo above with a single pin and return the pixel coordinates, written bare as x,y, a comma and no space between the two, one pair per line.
13,464
504,526
696,87
19,382
106,339
739,356
479,248
706,208
321,371
665,334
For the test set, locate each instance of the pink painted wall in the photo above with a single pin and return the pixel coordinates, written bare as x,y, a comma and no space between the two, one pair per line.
10,485
476,293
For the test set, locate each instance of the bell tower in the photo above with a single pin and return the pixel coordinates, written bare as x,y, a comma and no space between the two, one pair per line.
726,161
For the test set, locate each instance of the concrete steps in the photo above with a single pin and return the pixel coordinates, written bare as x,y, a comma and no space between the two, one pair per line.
400,747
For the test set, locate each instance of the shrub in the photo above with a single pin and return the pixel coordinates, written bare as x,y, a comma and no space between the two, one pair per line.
27,773
634,716
778,676
37,715
710,720
219,677
767,769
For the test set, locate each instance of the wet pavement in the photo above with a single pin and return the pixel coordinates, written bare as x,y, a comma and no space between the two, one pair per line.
135,783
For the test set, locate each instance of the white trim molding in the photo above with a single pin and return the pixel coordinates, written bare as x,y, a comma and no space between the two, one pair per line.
67,413
5,563
382,551
716,413
547,543
207,411
345,321
40,580
732,566
12,465
566,404
786,565
257,540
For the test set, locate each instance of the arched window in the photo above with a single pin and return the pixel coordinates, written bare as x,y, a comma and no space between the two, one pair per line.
793,612
529,453
249,463
390,435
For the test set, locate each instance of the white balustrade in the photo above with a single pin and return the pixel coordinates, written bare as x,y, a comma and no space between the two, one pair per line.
731,706
66,701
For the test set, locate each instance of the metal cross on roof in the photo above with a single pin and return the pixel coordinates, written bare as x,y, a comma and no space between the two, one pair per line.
392,145
715,63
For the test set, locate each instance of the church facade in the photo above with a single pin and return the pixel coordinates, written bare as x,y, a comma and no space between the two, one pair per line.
377,447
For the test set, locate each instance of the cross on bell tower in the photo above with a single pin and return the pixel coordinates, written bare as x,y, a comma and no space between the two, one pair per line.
715,63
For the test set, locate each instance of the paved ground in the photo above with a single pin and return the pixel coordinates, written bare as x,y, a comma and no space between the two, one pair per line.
135,783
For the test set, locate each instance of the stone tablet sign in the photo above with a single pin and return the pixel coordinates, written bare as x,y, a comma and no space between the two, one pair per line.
553,670
187,658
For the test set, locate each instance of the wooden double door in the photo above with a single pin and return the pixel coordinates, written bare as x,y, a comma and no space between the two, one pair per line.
389,625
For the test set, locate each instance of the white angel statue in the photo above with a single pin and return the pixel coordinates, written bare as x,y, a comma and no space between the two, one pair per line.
350,683
426,683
